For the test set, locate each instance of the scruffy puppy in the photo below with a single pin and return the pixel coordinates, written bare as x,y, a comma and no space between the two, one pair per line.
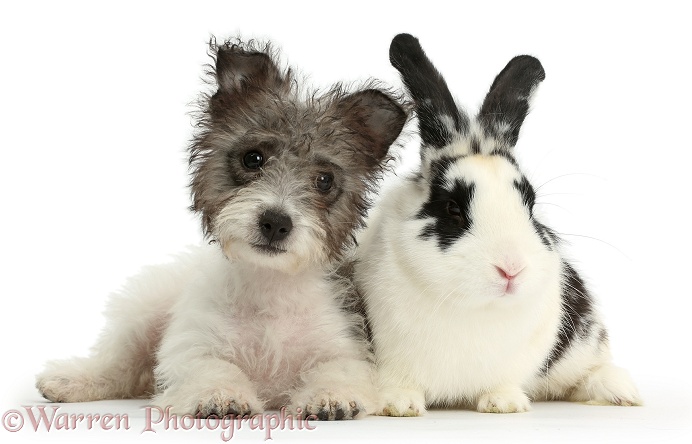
470,297
257,319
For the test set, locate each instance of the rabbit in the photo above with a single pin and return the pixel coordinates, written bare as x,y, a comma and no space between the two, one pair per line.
470,301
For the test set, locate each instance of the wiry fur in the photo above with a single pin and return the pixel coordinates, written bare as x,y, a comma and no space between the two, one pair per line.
468,296
253,320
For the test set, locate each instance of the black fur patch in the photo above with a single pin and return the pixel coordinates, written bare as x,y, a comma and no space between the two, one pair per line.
446,228
528,195
439,167
548,236
475,146
507,155
576,318
603,336
429,91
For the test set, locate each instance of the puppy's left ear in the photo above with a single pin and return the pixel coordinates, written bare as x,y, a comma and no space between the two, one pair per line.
374,116
239,69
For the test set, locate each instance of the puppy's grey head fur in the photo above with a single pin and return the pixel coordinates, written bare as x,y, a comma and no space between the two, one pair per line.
280,177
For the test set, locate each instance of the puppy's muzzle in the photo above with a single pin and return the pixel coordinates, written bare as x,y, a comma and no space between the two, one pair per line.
275,226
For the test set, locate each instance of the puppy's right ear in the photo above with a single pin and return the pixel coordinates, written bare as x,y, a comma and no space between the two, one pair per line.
439,118
239,70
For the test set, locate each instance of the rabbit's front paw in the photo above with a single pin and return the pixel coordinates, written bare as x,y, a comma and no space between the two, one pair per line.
608,385
402,402
504,401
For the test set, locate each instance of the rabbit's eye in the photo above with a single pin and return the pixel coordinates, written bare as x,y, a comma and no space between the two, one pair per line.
453,209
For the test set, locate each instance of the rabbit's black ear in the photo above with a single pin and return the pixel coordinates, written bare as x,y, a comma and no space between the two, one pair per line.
438,116
507,102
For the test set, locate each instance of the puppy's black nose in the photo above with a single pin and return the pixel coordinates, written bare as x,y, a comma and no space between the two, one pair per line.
275,226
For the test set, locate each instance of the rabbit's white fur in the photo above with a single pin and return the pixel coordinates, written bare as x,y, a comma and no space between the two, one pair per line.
449,326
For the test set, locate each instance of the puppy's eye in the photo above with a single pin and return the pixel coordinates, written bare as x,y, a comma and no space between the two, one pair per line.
324,182
453,209
253,160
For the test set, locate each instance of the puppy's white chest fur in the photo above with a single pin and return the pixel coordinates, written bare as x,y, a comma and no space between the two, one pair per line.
274,326
279,331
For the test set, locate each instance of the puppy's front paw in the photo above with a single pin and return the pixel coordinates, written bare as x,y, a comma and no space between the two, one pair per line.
226,402
327,406
205,401
61,388
75,381
504,401
402,402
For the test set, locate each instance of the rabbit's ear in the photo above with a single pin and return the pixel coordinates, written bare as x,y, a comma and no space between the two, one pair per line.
439,119
507,102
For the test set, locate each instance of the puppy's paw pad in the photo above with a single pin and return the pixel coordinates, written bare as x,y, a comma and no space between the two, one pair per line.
330,407
504,402
227,403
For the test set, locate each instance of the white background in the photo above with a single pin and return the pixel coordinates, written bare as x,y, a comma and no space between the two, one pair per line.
94,103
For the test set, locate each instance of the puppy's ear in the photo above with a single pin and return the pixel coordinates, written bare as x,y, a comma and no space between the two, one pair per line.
239,70
375,117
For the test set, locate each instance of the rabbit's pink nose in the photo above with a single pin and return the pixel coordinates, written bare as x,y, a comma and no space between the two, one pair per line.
508,273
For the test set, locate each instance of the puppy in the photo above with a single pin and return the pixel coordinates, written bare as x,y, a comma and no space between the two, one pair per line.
257,319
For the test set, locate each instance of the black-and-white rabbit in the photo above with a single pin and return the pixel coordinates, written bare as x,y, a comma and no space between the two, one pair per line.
468,296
